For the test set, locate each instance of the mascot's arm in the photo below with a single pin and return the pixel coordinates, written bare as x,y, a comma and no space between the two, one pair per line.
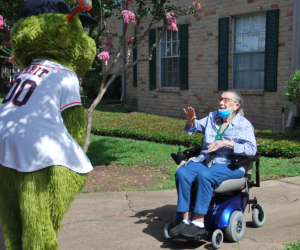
75,122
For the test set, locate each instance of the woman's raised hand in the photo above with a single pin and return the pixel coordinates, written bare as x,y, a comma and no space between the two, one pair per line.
190,114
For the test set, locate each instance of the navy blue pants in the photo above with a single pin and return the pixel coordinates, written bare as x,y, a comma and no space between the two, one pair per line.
206,180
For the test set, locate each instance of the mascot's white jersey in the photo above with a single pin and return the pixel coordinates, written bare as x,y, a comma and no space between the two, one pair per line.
32,133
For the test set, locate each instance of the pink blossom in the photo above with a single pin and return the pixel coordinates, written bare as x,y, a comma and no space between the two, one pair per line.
108,42
1,22
194,3
199,7
171,22
129,16
104,56
130,40
7,44
11,59
170,15
172,25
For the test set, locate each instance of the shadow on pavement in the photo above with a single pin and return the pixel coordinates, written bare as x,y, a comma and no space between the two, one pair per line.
157,218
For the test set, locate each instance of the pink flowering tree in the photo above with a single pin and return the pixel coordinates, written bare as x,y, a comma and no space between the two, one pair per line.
4,37
8,12
8,17
133,13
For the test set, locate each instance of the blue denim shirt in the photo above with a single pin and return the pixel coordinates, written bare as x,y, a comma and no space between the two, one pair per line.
239,131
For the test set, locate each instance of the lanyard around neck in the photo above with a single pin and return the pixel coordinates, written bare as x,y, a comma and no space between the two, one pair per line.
219,137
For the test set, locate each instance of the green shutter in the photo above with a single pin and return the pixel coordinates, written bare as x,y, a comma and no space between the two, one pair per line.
223,53
184,56
152,63
135,66
271,50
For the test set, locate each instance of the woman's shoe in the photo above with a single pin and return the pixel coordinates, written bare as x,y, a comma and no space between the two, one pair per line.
175,231
192,231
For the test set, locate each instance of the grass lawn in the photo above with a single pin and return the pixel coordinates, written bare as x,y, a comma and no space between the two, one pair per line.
117,122
131,153
154,156
293,246
118,117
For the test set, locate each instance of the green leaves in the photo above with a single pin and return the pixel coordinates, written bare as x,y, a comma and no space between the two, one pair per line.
293,88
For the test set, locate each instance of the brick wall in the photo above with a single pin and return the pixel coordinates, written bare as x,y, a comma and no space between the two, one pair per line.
263,109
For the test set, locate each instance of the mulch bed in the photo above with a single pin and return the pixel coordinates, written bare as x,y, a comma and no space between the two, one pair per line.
115,178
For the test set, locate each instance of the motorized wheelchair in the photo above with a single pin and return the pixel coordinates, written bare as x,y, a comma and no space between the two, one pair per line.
225,215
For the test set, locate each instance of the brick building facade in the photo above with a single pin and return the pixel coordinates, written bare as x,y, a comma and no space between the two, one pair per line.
229,44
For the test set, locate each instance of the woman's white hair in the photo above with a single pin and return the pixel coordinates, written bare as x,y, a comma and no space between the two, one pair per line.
237,97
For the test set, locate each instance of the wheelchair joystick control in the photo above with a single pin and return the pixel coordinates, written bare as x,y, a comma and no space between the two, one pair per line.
179,157
179,152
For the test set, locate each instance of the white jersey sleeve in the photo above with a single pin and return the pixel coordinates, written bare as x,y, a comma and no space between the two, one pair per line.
70,95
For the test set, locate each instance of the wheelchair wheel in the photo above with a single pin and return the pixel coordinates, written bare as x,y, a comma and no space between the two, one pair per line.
236,228
257,219
167,229
217,239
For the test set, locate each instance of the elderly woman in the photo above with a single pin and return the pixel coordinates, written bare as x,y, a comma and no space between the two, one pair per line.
225,133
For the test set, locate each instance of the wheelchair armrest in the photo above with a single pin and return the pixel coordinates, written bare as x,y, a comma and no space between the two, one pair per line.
178,158
192,152
241,160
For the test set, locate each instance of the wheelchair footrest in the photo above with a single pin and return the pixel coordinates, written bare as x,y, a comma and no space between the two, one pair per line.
204,235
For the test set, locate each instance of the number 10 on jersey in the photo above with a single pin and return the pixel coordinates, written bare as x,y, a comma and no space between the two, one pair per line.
27,86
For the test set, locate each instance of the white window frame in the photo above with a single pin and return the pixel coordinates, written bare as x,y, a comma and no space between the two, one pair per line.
160,58
233,49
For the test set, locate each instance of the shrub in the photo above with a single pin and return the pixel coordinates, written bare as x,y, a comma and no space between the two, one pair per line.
293,89
169,130
92,87
266,147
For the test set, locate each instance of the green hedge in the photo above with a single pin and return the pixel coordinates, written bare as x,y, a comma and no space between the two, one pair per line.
266,146
168,130
185,140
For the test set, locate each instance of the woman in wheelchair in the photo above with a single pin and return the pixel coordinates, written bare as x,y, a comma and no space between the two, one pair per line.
225,133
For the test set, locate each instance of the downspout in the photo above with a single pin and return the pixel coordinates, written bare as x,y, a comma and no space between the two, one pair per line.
123,97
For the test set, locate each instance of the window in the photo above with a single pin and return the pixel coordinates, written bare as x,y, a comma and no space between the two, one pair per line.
170,59
249,51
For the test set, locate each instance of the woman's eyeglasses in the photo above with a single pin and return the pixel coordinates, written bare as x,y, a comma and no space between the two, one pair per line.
226,100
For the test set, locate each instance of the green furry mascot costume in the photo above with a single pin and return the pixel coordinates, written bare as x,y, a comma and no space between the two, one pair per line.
42,124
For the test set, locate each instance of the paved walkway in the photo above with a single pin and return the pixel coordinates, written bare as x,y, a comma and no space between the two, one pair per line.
136,220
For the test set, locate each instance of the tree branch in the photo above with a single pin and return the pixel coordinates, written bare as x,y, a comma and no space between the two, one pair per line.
103,86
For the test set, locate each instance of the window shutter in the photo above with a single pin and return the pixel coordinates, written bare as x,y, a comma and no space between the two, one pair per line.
271,50
184,56
135,66
223,53
152,63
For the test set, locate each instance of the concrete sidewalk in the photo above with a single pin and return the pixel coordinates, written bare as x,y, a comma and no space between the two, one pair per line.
136,220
